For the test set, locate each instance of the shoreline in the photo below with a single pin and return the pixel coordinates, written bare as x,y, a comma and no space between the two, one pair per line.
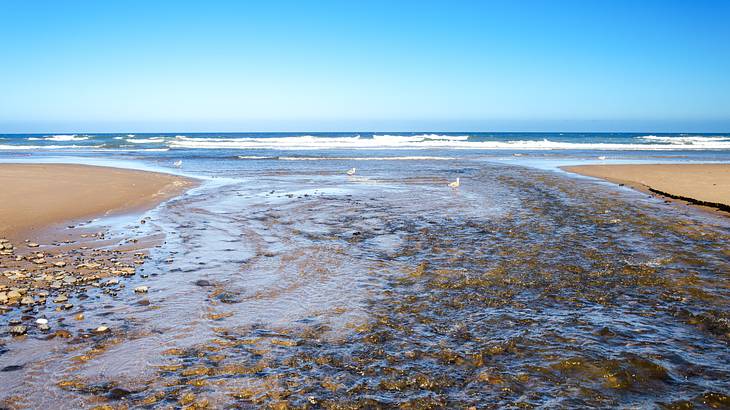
706,186
47,257
38,197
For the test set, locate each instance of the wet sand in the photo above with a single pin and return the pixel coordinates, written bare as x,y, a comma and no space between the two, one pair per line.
699,184
35,196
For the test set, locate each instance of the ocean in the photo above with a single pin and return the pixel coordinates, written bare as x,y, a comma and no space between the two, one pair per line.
526,287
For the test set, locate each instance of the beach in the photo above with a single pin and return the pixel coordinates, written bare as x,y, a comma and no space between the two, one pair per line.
37,196
280,280
47,252
700,184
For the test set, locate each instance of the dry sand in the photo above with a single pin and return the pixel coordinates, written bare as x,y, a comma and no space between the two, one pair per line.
700,184
35,196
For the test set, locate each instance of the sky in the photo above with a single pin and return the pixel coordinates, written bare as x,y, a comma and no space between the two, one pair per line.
167,66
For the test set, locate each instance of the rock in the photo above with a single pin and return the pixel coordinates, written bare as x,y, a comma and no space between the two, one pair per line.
59,264
203,282
101,329
60,299
42,321
14,294
118,393
32,245
11,368
44,327
141,289
63,333
3,297
27,300
79,316
18,330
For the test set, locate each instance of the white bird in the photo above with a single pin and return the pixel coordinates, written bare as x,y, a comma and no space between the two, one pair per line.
351,171
178,163
455,184
602,158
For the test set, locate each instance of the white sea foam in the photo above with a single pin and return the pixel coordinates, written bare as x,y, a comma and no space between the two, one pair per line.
155,140
309,142
62,138
695,140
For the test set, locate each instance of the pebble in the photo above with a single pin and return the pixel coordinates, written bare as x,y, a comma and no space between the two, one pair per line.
60,299
141,289
18,330
32,245
27,300
42,321
101,329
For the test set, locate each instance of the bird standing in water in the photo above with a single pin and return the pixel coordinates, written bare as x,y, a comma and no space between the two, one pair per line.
455,184
351,171
178,163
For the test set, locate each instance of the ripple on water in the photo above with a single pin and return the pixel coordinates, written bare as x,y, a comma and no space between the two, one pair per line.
521,289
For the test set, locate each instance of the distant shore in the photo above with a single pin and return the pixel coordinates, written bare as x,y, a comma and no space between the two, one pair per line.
705,185
37,196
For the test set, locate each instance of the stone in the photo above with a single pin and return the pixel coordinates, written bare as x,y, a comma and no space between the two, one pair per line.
141,289
60,299
27,300
32,245
42,321
18,330
59,264
14,294
63,333
101,329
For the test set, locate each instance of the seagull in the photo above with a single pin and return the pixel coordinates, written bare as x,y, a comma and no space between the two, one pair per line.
351,171
455,184
178,163
602,158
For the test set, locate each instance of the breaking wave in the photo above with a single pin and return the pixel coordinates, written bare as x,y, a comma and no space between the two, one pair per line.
60,138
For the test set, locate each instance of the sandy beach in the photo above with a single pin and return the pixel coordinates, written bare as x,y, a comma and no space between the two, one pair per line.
37,265
35,196
699,184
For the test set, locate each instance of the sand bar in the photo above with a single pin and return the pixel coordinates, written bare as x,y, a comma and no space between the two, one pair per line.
701,184
35,196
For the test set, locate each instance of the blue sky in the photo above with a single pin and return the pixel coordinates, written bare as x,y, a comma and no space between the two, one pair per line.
139,66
